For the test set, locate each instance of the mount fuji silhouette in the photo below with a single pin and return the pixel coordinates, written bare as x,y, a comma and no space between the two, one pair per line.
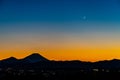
35,57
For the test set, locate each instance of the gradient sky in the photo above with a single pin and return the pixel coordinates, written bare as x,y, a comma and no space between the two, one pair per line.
87,30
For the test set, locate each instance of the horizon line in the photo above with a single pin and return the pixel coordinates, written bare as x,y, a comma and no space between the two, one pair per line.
60,60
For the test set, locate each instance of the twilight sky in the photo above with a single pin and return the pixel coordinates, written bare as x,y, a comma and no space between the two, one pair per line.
87,30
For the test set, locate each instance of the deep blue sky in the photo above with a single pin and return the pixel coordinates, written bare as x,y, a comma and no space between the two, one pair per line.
39,25
59,10
66,13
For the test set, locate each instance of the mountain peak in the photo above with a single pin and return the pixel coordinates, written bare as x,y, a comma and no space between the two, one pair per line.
35,54
35,57
11,59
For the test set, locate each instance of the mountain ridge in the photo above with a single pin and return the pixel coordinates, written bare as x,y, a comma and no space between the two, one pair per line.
37,55
36,60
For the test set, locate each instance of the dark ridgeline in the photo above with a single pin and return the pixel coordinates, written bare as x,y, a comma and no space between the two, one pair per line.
36,67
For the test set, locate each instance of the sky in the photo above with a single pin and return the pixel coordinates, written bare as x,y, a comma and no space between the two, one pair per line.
87,30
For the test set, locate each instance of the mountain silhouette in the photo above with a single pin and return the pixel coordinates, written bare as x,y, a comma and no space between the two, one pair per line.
108,64
37,67
38,61
10,60
35,57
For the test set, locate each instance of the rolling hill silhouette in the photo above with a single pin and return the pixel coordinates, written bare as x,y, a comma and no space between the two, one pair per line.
36,60
37,67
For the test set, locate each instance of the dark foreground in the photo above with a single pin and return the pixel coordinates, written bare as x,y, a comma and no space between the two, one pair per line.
36,67
60,74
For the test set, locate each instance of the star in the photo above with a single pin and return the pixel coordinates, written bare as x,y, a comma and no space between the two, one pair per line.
84,17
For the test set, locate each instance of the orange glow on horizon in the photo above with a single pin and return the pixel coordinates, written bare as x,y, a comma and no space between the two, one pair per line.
68,54
70,47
